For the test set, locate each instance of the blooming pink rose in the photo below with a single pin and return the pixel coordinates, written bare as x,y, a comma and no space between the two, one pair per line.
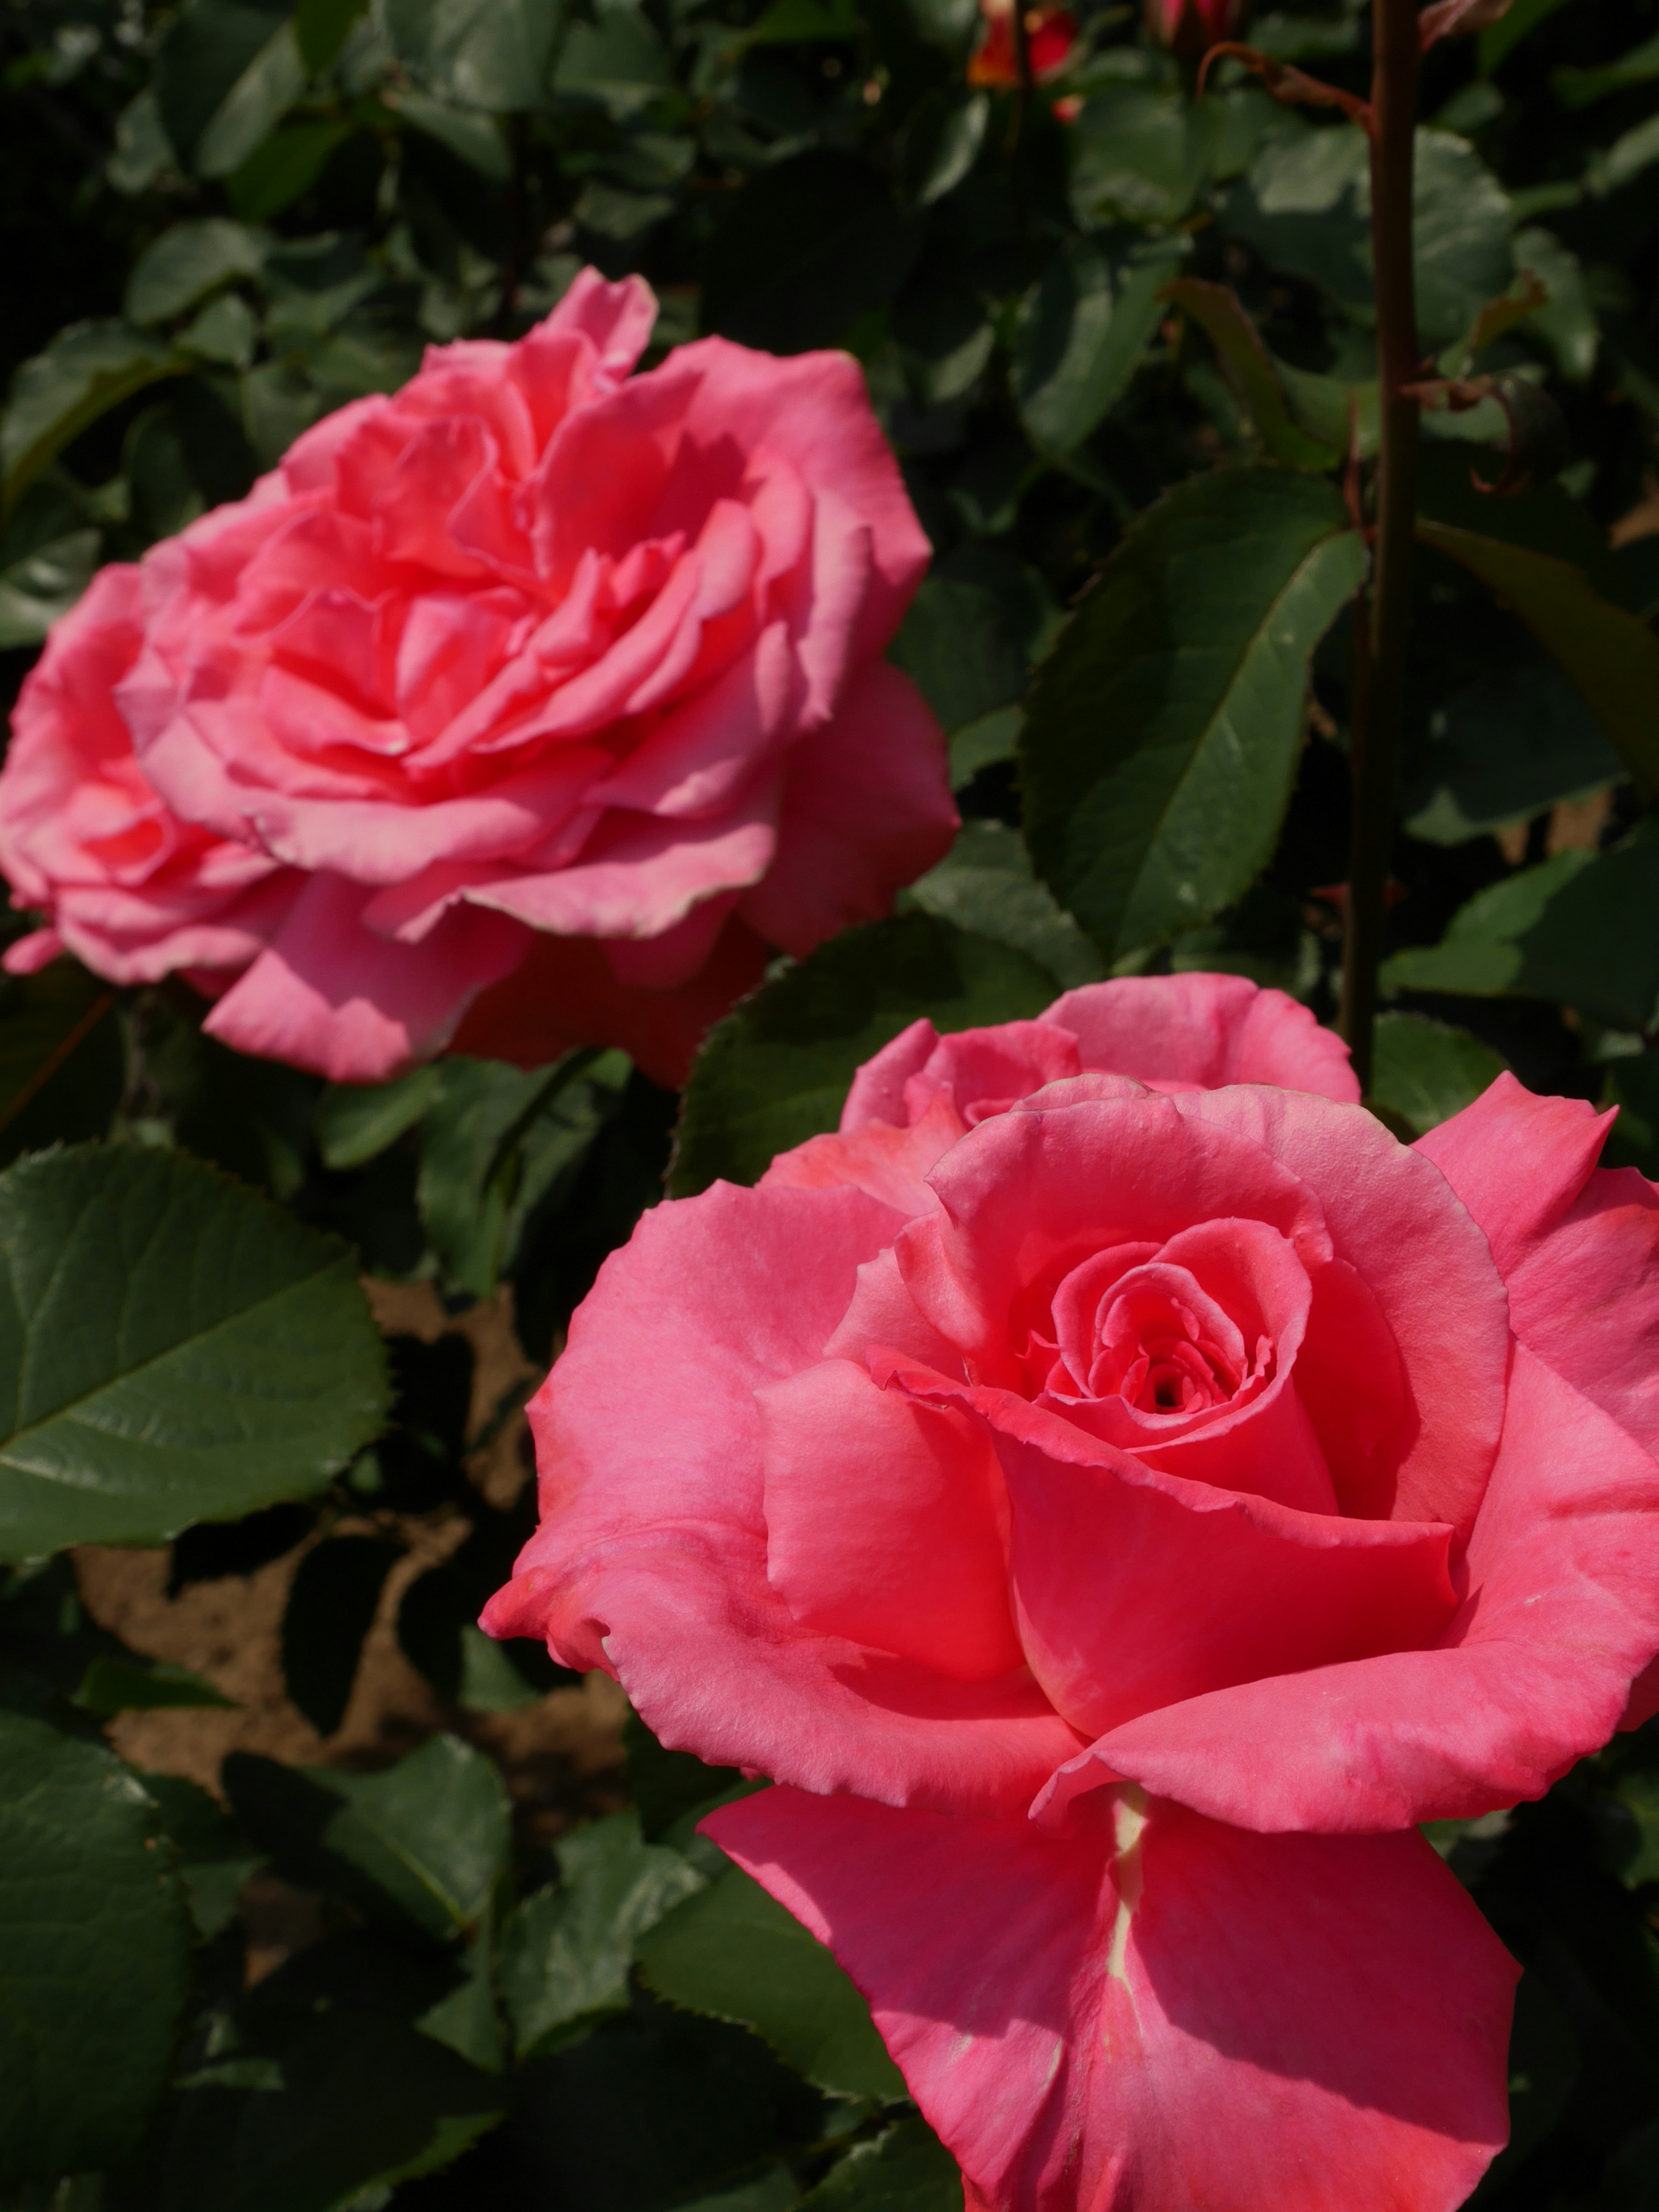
524,708
1117,1510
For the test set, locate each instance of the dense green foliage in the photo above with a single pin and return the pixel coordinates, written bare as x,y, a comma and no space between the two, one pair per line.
1131,344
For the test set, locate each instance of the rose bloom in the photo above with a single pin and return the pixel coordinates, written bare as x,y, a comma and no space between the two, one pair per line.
524,708
1118,1491
1051,32
1191,26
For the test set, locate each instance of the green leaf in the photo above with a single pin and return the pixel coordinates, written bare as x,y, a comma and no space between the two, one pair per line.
1425,1072
1567,321
1578,87
419,1845
48,1021
1305,207
201,56
331,1604
668,1787
495,1143
112,1686
214,1859
186,262
44,583
1216,309
1632,1086
321,28
491,54
355,1121
85,371
1577,927
905,2169
732,1952
567,1951
1496,38
322,2090
253,107
282,168
1162,733
985,882
1140,154
475,139
1501,749
173,1348
813,244
1607,652
941,144
776,1070
95,1945
1081,332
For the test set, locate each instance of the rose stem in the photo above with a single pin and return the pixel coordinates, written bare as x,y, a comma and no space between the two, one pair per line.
1375,741
1025,92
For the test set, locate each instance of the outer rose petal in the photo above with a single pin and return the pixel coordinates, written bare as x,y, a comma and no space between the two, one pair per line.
889,1163
866,807
329,995
1157,2013
884,1522
1577,1245
1203,1031
1562,1614
651,1557
566,992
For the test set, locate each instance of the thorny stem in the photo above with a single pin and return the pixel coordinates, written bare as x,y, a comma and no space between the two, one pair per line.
1377,718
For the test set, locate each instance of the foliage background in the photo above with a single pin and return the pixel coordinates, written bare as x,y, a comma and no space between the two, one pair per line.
225,218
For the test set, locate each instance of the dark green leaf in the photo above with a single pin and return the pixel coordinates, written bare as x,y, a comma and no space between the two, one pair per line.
1502,749
172,1347
1305,207
322,2089
85,371
94,1952
491,54
253,107
1254,370
733,1952
186,262
668,1785
472,138
811,246
1632,1086
1609,654
214,1859
331,1604
567,1951
905,2169
355,1121
776,1070
985,882
1426,1072
321,26
941,144
1081,333
419,1844
655,2112
282,167
1575,927
203,53
39,586
113,1685
1141,154
57,1027
1162,733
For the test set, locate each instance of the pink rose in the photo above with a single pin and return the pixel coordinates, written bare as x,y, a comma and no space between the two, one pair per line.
1116,1511
525,707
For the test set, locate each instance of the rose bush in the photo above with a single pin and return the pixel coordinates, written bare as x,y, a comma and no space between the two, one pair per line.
1116,1490
525,707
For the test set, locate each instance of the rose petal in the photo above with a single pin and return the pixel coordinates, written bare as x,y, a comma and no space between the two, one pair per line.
1157,2013
1561,1615
329,994
885,1522
651,1557
1205,1030
866,807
